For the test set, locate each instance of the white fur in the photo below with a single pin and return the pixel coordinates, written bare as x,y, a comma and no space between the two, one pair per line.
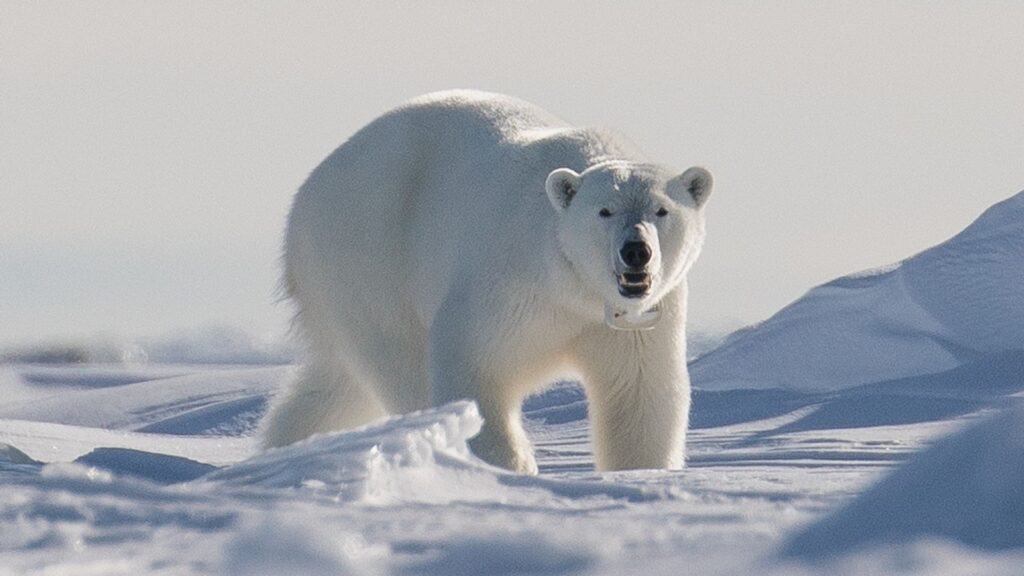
428,264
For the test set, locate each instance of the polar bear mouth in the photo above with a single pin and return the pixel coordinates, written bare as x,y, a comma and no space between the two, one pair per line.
634,284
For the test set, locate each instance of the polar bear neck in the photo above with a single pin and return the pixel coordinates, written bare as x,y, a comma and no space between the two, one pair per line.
618,318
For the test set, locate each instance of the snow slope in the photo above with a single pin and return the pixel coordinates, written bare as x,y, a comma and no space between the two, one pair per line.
958,302
795,460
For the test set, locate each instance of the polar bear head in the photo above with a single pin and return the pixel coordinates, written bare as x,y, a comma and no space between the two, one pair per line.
631,231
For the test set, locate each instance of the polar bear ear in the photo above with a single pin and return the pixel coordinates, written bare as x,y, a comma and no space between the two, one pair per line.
562,184
696,182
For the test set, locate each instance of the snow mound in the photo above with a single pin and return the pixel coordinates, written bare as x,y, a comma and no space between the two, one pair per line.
157,468
14,461
959,301
11,455
410,458
968,487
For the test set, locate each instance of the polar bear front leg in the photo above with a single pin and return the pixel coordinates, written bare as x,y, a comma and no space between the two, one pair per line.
458,371
638,391
502,441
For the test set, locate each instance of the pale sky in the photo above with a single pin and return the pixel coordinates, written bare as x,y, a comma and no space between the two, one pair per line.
149,151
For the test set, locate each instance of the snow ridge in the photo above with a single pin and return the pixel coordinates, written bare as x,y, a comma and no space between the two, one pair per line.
408,458
956,302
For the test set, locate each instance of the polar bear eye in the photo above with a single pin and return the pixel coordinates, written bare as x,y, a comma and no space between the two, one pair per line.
662,212
605,213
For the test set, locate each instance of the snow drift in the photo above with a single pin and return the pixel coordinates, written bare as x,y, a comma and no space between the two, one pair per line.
412,457
956,302
968,487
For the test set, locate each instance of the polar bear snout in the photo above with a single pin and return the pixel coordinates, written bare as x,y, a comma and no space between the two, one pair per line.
636,254
635,279
637,260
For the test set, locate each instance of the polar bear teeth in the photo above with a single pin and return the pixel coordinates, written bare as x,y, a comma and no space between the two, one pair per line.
634,284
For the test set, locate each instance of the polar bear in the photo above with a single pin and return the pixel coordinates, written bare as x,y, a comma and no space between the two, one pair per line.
469,245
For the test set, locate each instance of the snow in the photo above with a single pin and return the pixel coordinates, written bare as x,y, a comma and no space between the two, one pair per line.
415,457
209,345
170,403
404,495
874,426
969,488
159,468
954,303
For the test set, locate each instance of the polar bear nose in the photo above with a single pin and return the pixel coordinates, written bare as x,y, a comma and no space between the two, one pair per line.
635,254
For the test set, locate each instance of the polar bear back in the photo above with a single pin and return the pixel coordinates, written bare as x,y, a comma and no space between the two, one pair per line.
448,188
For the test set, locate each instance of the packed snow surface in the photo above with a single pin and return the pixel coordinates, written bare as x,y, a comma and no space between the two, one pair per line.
874,427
